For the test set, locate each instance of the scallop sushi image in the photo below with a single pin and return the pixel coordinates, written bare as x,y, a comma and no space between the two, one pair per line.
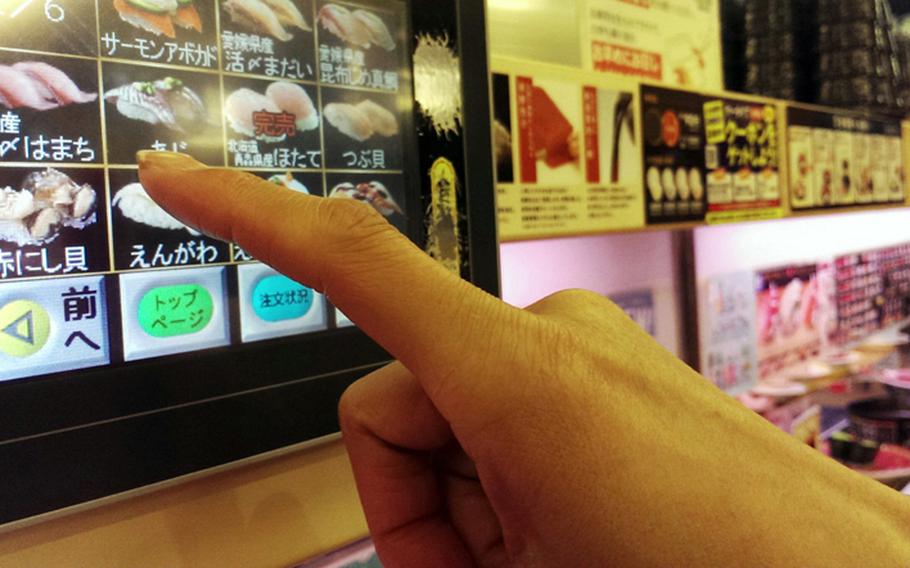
289,181
682,184
669,184
240,107
136,205
654,186
695,184
293,99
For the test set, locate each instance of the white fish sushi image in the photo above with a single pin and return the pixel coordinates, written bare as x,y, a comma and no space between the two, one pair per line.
257,16
293,99
58,83
341,22
136,205
38,86
379,32
288,14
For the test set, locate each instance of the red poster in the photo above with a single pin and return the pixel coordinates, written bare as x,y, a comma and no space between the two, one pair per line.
525,104
592,142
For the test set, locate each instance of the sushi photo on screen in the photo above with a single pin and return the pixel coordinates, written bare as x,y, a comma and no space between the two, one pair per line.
49,109
362,130
308,183
148,108
52,222
57,27
361,45
272,38
146,236
271,124
383,192
155,30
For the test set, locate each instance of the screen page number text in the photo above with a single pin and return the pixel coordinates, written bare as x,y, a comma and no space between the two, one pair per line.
53,11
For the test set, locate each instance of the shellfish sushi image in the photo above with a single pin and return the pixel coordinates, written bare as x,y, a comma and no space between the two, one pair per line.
47,202
289,181
362,121
281,98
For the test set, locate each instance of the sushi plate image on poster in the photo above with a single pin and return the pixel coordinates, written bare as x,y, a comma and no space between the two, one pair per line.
49,109
148,108
171,32
271,124
550,131
384,192
362,44
273,39
52,222
361,131
674,155
57,26
146,236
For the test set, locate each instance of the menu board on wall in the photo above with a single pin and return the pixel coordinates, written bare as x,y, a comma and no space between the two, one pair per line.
837,159
728,333
567,152
675,42
284,92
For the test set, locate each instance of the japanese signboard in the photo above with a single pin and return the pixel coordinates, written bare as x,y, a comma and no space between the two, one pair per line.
676,42
841,159
311,95
566,152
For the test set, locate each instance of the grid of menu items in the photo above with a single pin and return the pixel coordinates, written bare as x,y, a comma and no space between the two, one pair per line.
873,288
843,160
306,94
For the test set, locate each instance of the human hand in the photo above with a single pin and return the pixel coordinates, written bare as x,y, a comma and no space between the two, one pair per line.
560,435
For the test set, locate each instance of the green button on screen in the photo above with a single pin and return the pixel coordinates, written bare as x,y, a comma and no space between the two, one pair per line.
171,311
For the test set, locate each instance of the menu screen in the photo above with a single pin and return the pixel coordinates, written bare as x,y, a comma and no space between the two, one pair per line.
307,94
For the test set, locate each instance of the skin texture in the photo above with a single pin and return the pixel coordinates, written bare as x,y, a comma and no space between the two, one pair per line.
560,435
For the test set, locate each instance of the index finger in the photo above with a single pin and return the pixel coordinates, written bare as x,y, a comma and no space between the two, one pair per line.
423,315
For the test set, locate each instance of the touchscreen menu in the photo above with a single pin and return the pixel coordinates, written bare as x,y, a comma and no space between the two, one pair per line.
306,94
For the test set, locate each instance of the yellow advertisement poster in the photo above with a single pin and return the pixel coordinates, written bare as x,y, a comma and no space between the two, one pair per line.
675,42
568,152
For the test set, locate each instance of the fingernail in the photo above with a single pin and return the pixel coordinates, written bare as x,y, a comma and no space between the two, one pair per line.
166,160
